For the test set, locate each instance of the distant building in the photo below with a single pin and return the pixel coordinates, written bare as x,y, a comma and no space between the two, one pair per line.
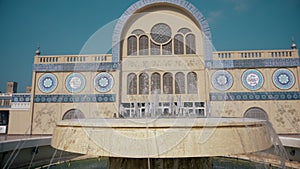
28,89
11,87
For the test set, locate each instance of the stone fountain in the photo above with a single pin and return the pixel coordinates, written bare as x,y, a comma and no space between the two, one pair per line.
162,142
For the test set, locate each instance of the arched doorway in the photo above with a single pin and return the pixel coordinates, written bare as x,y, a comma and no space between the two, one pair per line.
256,113
73,114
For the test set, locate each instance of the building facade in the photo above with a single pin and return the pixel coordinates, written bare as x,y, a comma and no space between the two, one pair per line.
162,65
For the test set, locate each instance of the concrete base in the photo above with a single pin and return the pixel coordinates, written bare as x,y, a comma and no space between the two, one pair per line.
166,163
162,138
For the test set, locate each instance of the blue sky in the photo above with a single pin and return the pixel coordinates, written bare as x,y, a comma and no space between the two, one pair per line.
63,27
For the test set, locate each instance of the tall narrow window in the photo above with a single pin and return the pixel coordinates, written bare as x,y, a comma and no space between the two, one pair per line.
190,44
192,83
167,49
143,83
131,84
178,44
179,83
144,45
155,83
155,49
168,83
131,45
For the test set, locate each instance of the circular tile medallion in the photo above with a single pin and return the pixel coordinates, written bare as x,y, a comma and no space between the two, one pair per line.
222,80
47,83
252,79
103,82
283,79
75,82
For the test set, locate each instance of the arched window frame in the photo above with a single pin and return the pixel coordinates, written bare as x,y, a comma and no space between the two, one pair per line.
248,113
184,30
178,44
168,83
179,83
190,44
192,79
155,83
73,114
143,45
132,45
143,83
131,84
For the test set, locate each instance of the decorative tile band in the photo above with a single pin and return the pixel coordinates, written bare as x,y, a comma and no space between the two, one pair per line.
75,98
252,63
21,97
70,67
254,96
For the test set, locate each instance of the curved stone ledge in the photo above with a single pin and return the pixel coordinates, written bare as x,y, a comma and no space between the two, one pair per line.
162,138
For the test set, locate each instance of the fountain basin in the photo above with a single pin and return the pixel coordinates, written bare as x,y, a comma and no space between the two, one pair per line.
162,138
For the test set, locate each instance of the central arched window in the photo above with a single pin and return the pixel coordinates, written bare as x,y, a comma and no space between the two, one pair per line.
167,49
155,83
192,83
144,45
73,114
168,83
132,84
160,41
132,45
143,83
179,83
155,49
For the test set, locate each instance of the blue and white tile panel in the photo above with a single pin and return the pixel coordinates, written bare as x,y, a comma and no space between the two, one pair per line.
75,98
254,96
253,63
21,101
70,67
21,97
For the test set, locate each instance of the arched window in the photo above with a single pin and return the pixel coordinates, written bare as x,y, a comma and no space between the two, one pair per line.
155,49
167,49
257,113
131,84
137,32
73,114
155,83
190,44
144,45
168,83
184,30
143,83
178,44
192,83
179,83
131,45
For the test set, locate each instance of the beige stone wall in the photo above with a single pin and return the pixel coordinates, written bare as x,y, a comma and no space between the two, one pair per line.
284,115
46,115
19,122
